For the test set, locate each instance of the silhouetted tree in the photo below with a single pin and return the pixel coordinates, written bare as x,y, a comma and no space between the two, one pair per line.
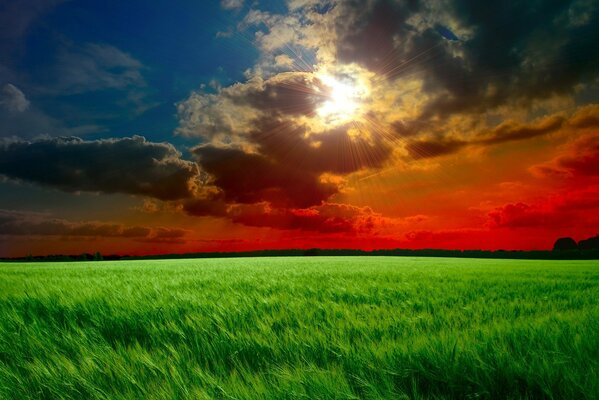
312,252
98,256
565,243
589,244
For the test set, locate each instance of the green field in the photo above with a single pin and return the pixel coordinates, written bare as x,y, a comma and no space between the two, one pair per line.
307,327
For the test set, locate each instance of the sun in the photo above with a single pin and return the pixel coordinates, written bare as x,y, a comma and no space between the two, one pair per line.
344,96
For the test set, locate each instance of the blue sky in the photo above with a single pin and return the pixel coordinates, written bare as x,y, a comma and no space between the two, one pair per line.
139,59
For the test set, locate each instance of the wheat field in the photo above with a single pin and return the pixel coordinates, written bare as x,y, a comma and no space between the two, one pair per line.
300,328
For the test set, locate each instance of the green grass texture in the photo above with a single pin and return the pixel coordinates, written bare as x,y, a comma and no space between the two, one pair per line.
300,328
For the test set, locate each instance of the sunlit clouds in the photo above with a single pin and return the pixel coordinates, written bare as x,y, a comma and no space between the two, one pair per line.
345,93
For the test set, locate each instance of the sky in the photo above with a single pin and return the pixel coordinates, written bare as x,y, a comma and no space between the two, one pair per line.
136,127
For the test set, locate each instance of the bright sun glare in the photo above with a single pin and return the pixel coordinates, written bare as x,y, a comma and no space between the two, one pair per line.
344,98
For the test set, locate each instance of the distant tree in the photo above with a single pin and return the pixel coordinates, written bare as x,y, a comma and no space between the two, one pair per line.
98,256
83,257
589,244
312,252
565,243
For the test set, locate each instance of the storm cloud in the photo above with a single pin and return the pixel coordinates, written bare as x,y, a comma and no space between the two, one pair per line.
125,165
499,52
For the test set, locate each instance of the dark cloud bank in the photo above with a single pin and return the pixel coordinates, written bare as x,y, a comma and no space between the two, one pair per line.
125,165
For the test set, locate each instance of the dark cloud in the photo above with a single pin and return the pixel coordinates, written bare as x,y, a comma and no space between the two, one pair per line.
369,32
403,129
506,132
510,131
287,168
205,207
586,117
520,50
252,178
125,165
428,149
293,93
510,50
334,151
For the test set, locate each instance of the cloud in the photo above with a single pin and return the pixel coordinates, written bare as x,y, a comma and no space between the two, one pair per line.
95,66
537,57
76,69
429,237
18,223
561,210
166,235
231,4
263,143
253,178
428,149
324,218
512,131
124,165
580,159
543,54
13,99
19,118
450,54
508,131
169,233
586,117
440,76
33,122
233,112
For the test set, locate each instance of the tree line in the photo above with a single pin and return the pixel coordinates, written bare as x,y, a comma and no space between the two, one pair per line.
563,249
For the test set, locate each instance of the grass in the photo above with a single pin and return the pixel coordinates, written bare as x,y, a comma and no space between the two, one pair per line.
300,328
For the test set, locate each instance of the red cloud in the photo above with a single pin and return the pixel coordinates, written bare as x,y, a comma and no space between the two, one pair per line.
565,209
581,159
326,218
